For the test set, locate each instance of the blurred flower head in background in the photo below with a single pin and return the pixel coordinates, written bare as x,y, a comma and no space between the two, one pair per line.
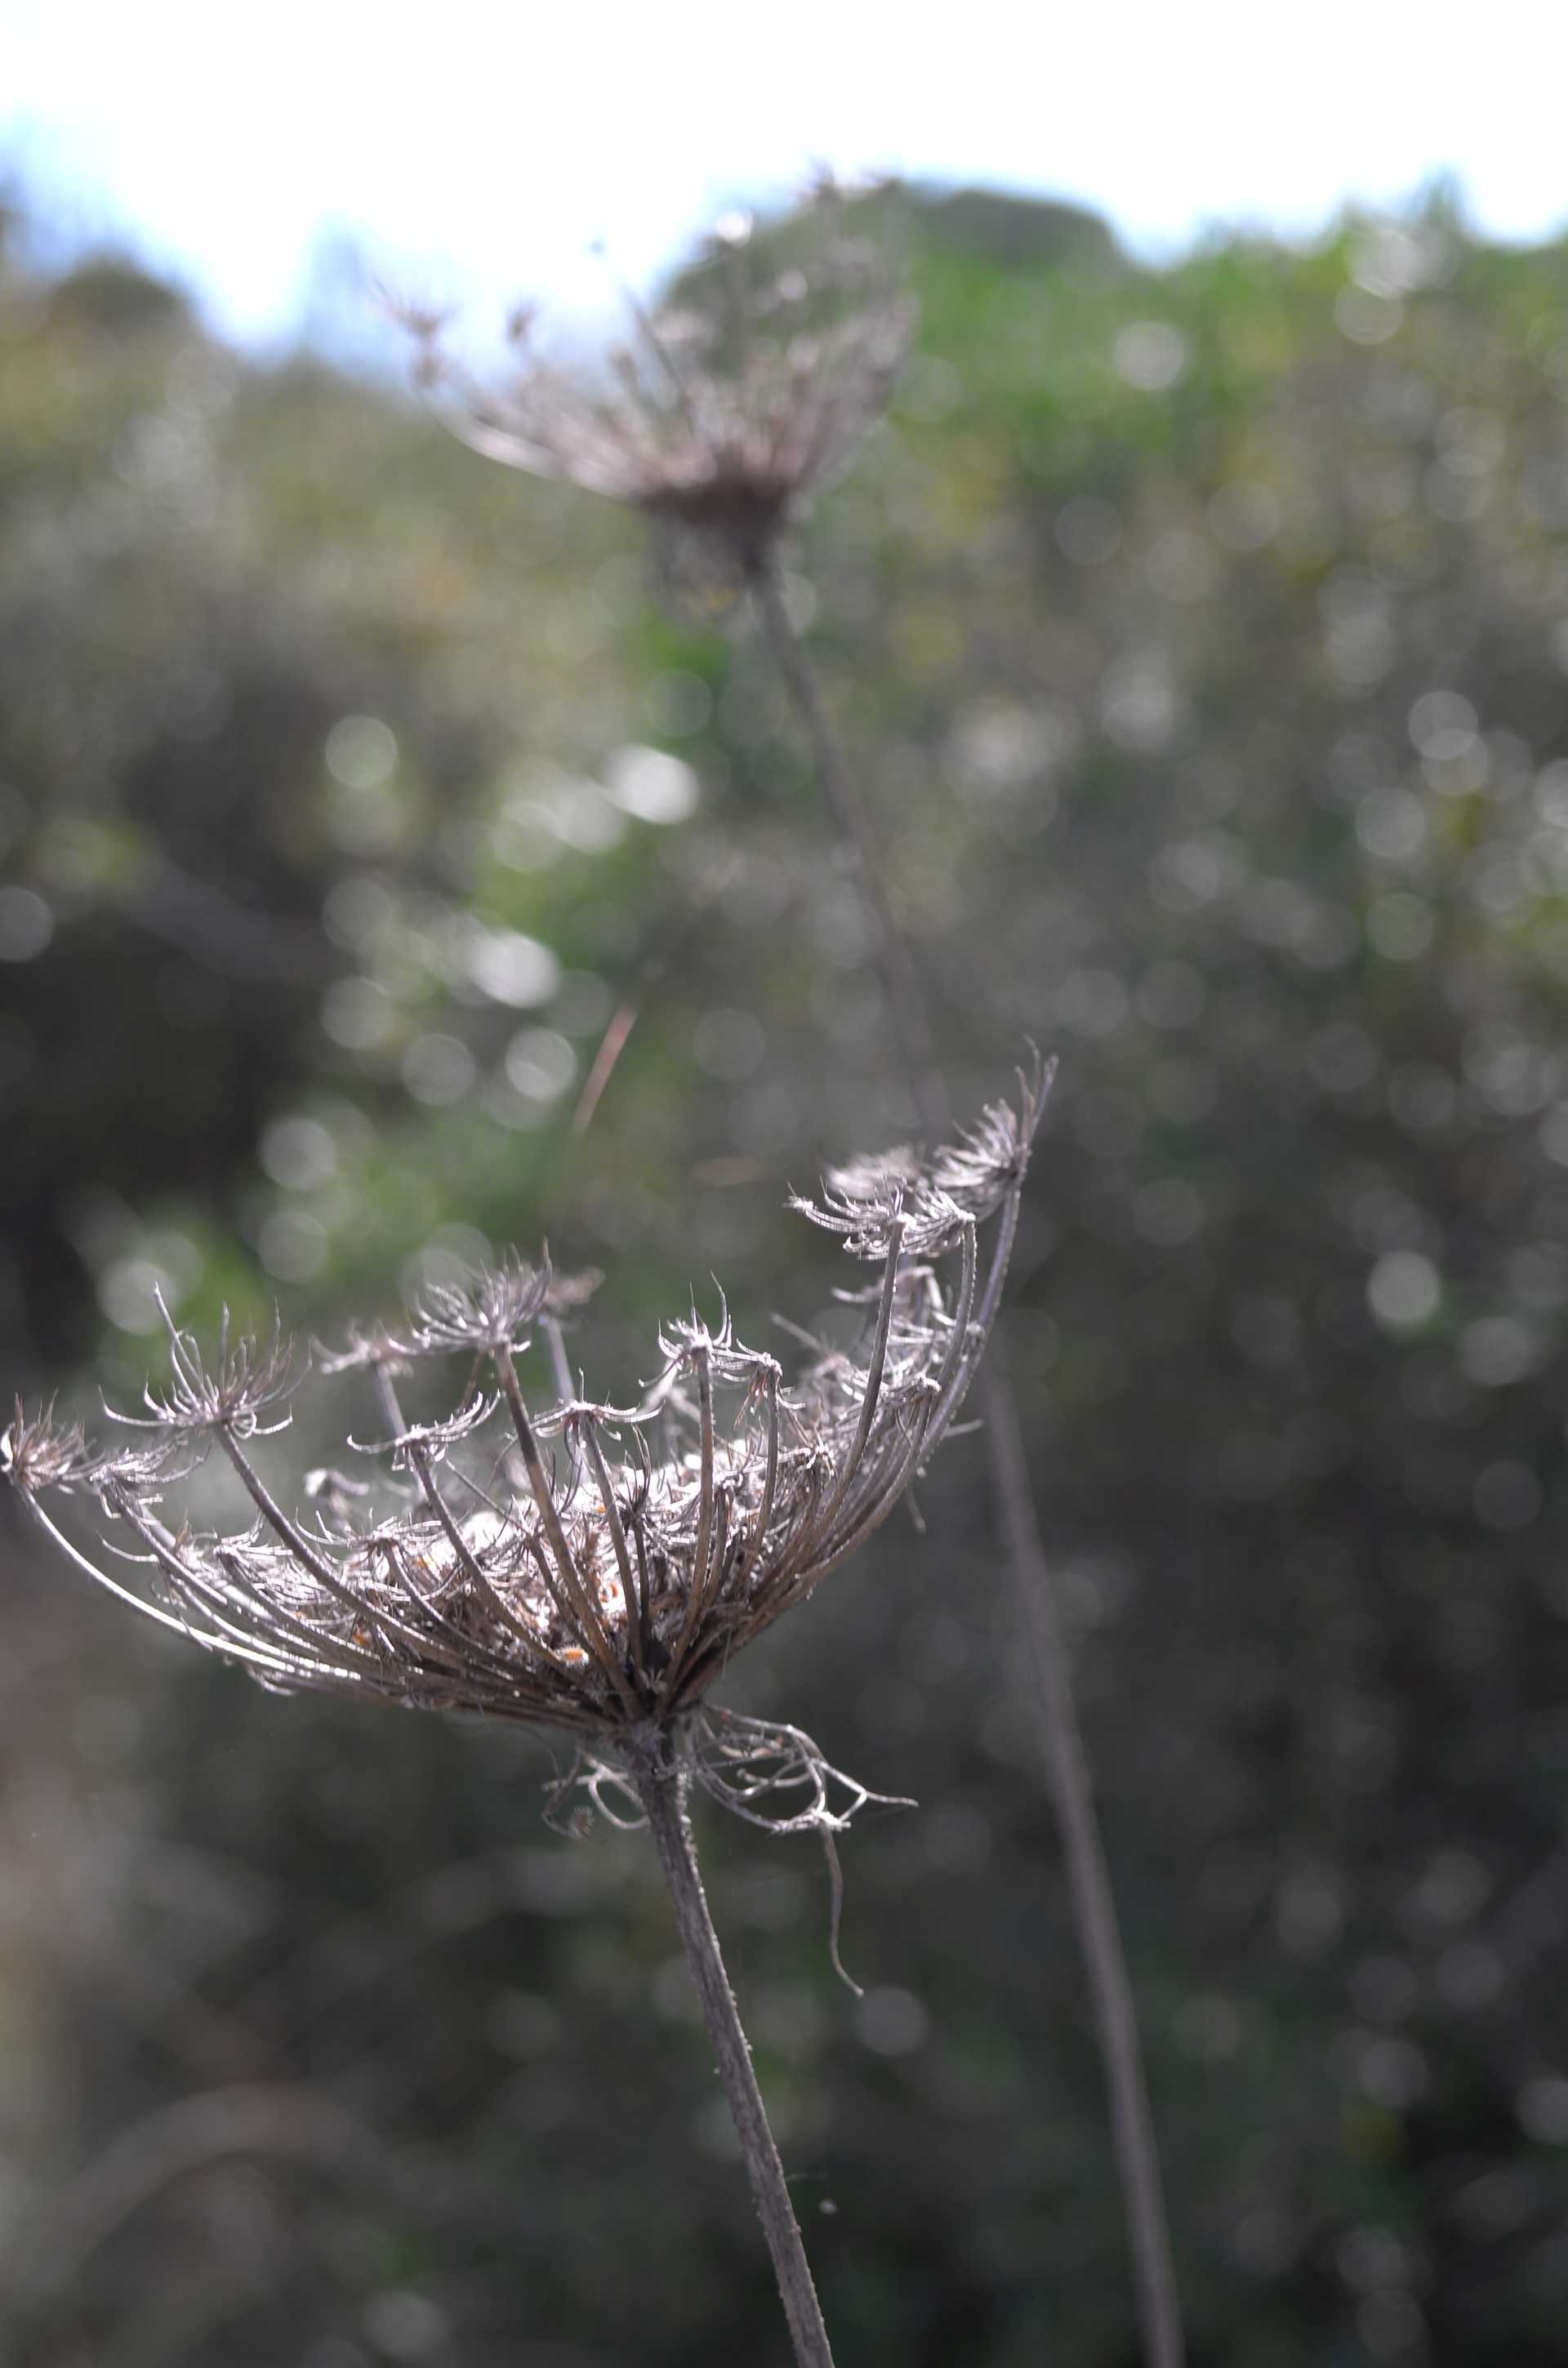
727,409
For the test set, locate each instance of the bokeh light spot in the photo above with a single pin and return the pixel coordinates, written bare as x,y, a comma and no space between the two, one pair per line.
891,2021
27,924
1150,355
540,1064
1404,1291
361,752
652,785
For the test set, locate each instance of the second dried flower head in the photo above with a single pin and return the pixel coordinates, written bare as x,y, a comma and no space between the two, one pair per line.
727,409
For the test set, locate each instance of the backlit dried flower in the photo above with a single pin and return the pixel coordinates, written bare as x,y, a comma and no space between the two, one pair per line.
722,416
964,1182
228,1397
36,1453
493,1310
600,1585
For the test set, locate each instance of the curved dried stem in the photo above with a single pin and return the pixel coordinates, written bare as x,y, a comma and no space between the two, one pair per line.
618,1540
875,1370
468,1561
757,1534
544,1497
701,1360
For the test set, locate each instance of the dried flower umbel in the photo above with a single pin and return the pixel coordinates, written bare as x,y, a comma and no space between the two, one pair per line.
725,411
592,1567
588,1567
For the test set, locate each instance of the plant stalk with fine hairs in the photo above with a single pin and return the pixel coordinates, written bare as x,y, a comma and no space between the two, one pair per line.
602,1592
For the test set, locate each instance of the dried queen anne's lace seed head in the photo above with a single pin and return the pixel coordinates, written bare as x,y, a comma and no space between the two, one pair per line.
601,1585
37,1453
964,1182
229,1396
723,413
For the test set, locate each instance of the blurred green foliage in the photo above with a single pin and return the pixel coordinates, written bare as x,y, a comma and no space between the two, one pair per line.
1200,635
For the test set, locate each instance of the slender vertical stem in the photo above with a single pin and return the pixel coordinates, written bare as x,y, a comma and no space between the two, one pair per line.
1088,1882
663,1791
901,981
1067,1772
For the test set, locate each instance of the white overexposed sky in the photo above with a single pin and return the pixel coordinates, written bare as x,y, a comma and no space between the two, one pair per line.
480,152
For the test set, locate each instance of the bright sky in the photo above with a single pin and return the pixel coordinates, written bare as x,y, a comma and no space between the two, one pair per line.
479,151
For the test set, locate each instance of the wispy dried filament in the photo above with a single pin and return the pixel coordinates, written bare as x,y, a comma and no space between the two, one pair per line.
586,1565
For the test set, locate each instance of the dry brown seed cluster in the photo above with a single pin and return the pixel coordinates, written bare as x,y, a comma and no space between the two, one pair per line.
723,414
588,1566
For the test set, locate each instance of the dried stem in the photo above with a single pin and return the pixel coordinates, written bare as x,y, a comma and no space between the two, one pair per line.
663,1791
1089,1879
900,978
1093,1906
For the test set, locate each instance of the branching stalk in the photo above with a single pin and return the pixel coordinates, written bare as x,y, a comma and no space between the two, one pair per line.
1067,1772
663,1793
